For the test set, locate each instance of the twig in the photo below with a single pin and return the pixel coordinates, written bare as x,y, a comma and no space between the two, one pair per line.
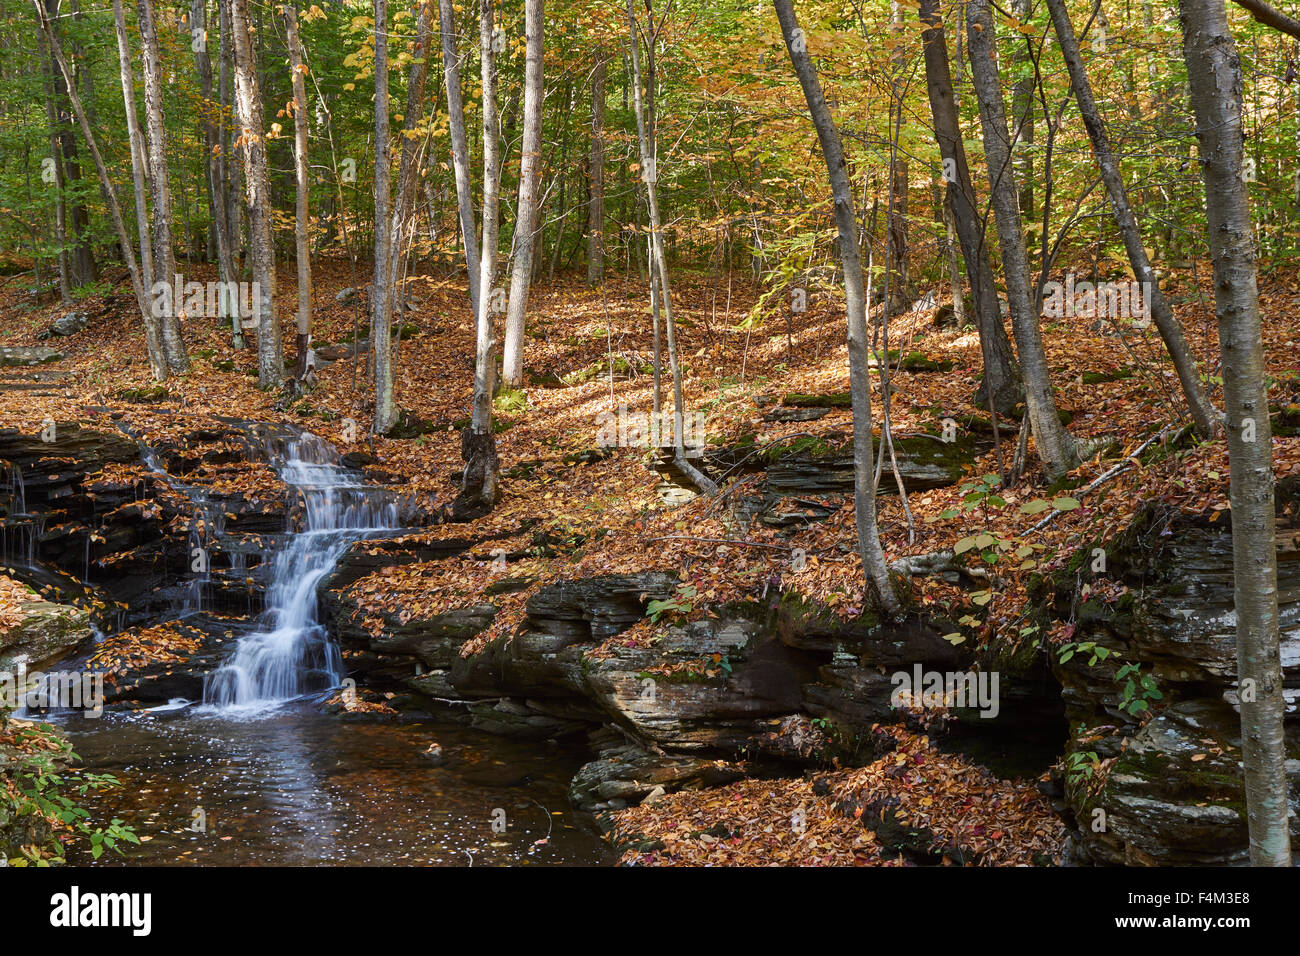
748,544
1106,475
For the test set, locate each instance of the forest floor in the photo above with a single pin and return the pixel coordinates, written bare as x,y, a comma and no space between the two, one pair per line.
1111,385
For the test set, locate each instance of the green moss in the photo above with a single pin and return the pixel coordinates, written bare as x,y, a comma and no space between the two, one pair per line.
147,395
920,362
1099,378
804,400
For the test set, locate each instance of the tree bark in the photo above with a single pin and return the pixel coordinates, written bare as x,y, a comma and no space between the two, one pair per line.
248,101
596,175
381,292
459,149
512,371
153,343
1000,388
228,308
1214,78
164,252
301,246
659,264
1022,114
900,290
56,159
1056,449
1198,404
478,443
950,244
873,557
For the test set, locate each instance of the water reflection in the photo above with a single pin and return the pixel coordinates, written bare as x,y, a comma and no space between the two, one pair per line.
301,788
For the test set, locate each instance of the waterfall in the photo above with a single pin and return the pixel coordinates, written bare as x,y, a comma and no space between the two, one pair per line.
290,654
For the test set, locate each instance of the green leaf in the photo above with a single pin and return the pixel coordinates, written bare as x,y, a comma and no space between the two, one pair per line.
1065,504
1034,506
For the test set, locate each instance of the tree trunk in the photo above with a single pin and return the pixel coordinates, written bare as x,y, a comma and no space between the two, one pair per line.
231,167
873,556
228,308
164,253
301,247
1198,404
459,149
1056,449
381,291
596,175
153,343
512,371
478,445
1214,77
81,258
1022,112
659,264
248,100
1000,388
56,160
408,169
900,292
954,260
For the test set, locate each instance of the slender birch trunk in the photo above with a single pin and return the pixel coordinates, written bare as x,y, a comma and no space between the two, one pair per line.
248,101
596,175
301,246
1198,404
459,149
1056,448
873,556
1214,78
381,293
1000,387
659,264
48,69
478,446
153,343
512,371
164,252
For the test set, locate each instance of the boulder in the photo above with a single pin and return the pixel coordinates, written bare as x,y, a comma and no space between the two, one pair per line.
69,324
631,774
45,633
12,356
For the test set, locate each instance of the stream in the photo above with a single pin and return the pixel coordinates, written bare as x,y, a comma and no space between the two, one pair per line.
255,773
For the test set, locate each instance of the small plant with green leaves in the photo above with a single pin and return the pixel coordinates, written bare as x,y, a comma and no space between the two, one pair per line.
42,788
1139,690
1095,651
1081,767
978,495
680,604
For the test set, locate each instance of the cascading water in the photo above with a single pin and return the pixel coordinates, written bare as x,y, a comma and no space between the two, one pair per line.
290,654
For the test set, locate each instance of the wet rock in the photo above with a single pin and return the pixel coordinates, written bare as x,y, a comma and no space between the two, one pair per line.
13,356
1173,795
546,656
45,633
633,775
715,684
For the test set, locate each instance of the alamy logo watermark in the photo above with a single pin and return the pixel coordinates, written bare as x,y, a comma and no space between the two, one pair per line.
210,300
75,909
1123,299
624,429
977,690
56,690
